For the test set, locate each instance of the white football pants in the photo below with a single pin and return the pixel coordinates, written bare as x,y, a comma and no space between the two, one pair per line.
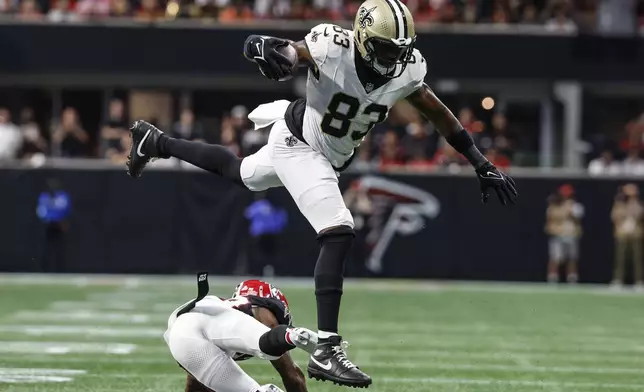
204,341
305,173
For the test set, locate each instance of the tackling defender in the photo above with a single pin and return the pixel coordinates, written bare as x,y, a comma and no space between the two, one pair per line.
208,334
354,78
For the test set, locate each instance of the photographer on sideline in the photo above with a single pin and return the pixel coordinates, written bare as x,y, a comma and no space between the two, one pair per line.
563,226
627,217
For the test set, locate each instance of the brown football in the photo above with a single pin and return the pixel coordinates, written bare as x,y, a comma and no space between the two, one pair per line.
291,54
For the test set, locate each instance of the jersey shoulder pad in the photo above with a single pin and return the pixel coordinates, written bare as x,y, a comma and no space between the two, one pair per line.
326,41
416,70
275,306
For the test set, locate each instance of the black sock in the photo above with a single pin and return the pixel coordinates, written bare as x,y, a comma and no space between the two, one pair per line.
212,157
274,342
329,271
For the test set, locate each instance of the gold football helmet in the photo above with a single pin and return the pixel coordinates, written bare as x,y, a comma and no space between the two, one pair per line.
385,36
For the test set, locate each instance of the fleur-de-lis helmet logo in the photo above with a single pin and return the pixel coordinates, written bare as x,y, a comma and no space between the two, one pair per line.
364,17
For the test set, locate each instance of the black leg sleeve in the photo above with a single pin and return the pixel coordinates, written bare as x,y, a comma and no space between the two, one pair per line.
274,342
329,276
211,157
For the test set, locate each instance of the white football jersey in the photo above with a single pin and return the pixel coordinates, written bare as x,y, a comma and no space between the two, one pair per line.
340,111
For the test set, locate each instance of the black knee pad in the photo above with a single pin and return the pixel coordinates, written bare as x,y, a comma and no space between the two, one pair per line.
337,234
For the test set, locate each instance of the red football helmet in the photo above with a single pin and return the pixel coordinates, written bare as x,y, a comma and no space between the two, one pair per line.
260,288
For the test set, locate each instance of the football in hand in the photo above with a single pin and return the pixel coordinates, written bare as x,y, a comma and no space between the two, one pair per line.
291,54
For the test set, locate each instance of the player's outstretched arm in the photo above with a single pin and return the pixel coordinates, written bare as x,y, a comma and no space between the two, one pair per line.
451,129
303,55
291,374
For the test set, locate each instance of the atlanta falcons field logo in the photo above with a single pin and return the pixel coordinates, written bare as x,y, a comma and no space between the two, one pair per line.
364,17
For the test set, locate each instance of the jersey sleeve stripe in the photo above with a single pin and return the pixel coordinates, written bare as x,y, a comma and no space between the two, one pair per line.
396,16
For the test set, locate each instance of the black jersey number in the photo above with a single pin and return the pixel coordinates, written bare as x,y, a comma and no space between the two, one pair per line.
337,123
341,37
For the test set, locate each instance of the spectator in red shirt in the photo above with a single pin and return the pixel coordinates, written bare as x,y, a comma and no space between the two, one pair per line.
237,11
150,10
391,154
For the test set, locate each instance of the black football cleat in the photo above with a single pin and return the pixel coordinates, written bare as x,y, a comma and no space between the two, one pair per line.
145,138
329,362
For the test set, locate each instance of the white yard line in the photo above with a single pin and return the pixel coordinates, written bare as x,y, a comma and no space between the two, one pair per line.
82,315
152,307
394,365
61,348
86,330
31,376
517,383
408,342
509,355
136,281
61,372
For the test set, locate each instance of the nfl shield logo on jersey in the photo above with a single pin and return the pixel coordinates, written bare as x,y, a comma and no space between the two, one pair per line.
291,141
368,87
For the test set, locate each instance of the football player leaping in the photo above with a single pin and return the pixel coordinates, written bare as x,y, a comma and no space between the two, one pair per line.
208,335
354,78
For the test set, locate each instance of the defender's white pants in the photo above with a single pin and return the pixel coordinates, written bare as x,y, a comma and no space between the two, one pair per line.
307,174
204,340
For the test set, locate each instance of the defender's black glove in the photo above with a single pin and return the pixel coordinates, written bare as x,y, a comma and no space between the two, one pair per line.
262,50
491,178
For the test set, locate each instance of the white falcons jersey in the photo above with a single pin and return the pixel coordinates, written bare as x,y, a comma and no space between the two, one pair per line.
340,111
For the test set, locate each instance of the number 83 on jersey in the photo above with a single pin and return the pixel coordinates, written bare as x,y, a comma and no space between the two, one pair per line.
344,111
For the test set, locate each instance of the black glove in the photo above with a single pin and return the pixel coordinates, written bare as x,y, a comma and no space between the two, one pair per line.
490,177
262,50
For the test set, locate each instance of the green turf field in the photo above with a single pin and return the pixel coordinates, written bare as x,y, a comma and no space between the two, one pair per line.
105,334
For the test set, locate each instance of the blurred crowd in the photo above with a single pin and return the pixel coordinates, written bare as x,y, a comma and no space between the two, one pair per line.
404,141
564,15
625,156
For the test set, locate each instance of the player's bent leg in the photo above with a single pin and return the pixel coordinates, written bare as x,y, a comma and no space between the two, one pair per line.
335,244
207,363
311,180
237,332
329,360
257,172
211,157
149,142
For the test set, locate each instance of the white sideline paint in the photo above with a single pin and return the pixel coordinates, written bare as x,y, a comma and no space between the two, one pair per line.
66,348
27,375
518,383
82,315
86,330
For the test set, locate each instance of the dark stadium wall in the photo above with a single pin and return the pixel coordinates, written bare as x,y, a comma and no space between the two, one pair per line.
166,51
179,222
